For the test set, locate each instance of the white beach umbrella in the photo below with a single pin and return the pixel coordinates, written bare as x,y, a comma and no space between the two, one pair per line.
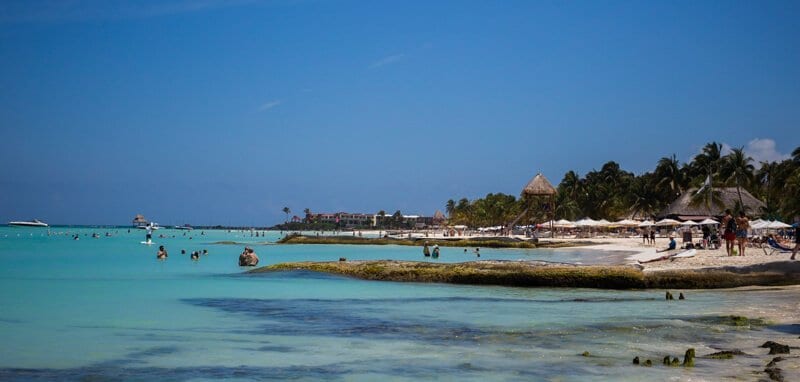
603,223
626,223
759,225
708,221
758,221
646,223
563,223
688,223
777,225
667,223
586,222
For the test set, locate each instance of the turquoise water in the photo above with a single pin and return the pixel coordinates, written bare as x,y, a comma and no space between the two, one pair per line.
104,308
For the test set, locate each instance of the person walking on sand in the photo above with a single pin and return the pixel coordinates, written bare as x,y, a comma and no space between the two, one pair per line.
742,225
729,231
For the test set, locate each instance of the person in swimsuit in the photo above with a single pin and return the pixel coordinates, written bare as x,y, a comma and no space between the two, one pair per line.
672,244
742,225
729,233
162,253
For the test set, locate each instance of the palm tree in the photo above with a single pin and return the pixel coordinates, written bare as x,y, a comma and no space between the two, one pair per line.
382,215
450,208
708,161
796,155
308,217
737,168
287,211
669,175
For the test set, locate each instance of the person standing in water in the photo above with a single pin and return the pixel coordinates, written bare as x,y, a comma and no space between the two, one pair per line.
162,253
426,251
436,251
149,230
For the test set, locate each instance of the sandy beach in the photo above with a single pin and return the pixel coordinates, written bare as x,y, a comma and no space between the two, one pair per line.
705,258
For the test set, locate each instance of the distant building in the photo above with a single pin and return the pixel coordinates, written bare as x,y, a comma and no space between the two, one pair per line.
684,209
140,221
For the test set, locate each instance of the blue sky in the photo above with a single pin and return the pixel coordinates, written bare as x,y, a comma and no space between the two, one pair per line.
224,112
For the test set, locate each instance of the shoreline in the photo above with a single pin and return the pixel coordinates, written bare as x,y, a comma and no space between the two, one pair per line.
708,269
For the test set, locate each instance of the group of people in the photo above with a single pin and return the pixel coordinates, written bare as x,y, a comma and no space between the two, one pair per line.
735,231
162,253
248,258
426,251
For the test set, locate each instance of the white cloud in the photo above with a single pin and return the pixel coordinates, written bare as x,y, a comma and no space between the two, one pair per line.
761,150
269,105
386,61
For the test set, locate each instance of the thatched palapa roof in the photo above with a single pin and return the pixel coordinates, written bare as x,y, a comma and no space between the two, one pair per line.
683,205
539,185
139,219
438,216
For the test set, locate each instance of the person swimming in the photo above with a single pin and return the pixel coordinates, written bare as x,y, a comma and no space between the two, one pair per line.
162,253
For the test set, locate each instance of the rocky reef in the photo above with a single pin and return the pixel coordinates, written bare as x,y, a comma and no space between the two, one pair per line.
540,274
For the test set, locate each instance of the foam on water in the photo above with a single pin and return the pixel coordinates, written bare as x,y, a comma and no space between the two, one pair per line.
105,308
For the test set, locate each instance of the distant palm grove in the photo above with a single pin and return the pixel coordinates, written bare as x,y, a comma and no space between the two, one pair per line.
612,193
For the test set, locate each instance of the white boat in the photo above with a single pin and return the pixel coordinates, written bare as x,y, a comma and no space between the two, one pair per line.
154,226
32,223
184,227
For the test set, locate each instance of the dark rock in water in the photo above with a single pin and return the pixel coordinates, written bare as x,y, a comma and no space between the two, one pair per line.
680,296
775,361
675,361
648,363
586,354
688,358
776,348
342,259
666,361
774,372
725,354
636,360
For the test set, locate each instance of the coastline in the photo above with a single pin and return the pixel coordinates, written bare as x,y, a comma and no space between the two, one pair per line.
709,269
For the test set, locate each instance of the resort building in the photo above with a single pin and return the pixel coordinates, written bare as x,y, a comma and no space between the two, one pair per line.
352,220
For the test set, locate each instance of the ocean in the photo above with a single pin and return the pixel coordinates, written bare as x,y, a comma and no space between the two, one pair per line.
105,309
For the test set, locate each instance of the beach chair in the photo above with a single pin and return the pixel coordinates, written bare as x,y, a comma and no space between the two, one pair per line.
774,247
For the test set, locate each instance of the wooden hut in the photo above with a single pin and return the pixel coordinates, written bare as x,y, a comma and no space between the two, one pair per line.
685,208
438,218
538,187
139,221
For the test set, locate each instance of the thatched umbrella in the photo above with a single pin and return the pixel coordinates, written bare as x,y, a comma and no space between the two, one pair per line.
139,220
539,186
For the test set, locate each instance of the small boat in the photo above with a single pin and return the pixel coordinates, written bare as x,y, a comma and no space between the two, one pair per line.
184,227
32,223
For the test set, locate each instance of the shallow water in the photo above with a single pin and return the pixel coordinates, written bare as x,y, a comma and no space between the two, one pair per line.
105,308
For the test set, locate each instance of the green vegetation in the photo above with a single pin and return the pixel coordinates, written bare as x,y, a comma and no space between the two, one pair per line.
494,242
612,193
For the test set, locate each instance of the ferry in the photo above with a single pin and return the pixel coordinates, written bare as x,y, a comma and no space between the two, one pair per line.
32,223
184,227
